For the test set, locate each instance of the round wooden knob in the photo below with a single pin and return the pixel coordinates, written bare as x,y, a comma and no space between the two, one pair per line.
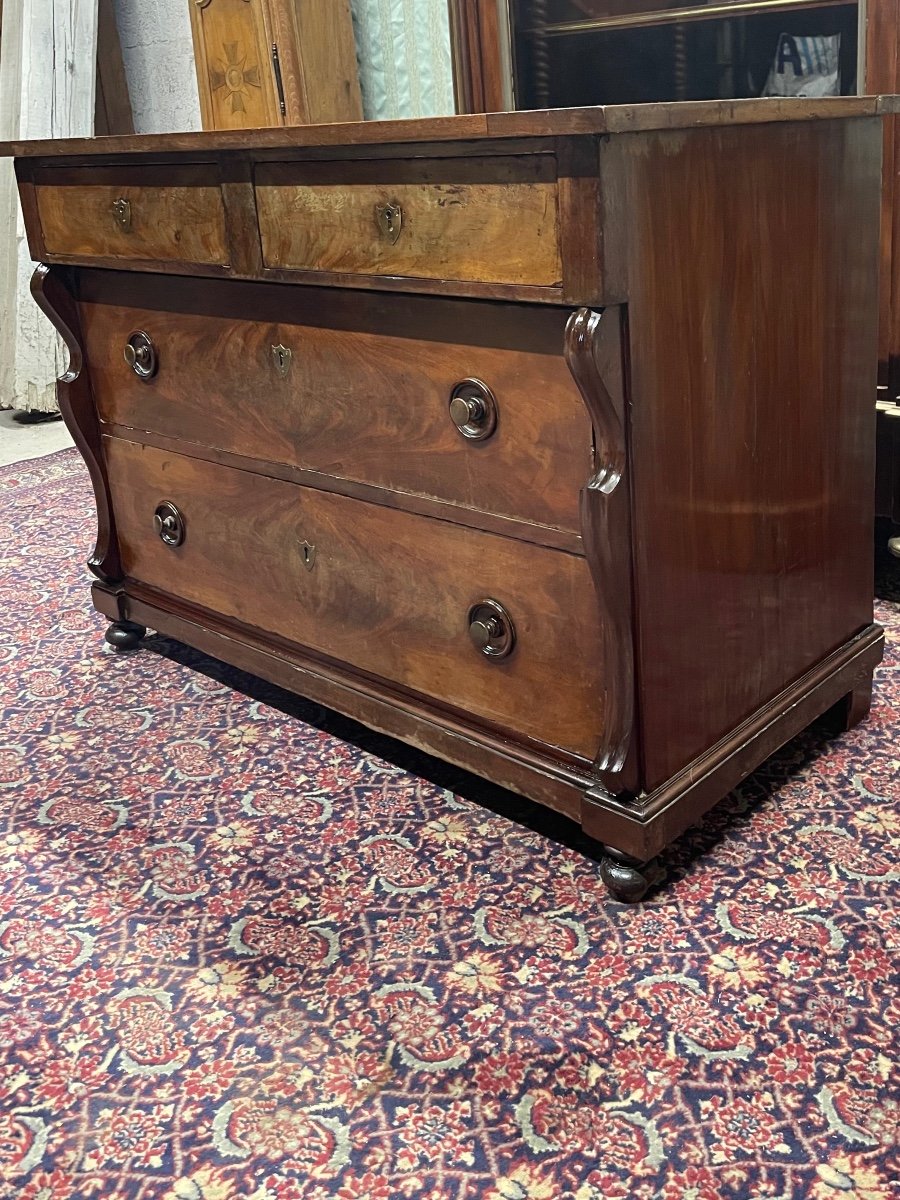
491,629
473,409
168,521
140,354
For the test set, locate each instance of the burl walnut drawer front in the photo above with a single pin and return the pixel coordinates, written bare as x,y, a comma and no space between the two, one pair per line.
396,595
145,214
491,220
453,400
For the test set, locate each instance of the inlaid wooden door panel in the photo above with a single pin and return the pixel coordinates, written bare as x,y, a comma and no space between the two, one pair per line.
482,220
134,213
388,592
359,390
275,62
233,53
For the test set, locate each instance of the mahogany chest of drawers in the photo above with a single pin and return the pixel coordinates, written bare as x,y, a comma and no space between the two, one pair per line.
541,441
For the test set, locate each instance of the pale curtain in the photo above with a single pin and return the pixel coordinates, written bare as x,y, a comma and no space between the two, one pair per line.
404,58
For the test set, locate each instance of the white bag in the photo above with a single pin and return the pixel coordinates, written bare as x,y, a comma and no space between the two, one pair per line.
805,66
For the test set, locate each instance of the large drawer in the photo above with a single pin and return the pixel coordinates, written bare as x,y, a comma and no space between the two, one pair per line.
484,220
355,388
143,214
388,592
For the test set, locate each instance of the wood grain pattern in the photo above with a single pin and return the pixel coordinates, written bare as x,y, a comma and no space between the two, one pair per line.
242,223
173,222
389,592
482,70
751,414
460,221
318,52
581,223
367,392
479,290
426,506
30,215
113,102
621,118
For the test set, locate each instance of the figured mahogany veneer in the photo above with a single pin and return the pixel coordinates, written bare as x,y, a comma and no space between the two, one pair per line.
181,220
364,394
542,441
388,592
490,220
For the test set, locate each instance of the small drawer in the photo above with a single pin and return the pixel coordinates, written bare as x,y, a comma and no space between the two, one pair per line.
143,214
504,632
378,393
491,220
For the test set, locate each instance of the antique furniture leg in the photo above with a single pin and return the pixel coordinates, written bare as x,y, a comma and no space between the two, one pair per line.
854,707
125,635
626,878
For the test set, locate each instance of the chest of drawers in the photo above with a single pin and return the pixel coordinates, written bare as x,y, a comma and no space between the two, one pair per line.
541,441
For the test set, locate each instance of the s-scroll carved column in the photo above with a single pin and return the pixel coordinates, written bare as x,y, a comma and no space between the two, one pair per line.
593,350
76,404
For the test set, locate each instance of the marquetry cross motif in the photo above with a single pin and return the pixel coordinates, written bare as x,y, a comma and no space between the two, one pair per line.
235,76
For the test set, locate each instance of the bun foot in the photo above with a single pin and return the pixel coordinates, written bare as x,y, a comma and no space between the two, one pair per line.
627,879
125,635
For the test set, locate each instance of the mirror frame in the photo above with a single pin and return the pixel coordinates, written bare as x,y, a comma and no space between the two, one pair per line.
481,46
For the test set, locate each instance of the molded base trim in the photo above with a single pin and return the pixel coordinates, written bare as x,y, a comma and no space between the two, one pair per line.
639,826
643,826
490,755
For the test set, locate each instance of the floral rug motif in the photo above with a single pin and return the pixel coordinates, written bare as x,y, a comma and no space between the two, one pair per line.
249,951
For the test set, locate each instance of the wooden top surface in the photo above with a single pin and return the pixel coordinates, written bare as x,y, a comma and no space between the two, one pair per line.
552,122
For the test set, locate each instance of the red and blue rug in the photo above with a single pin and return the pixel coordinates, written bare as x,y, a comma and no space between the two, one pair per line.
250,952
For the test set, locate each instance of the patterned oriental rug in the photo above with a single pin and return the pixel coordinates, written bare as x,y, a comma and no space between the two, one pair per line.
249,951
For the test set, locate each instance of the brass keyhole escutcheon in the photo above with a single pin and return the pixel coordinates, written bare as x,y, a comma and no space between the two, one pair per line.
282,357
308,555
491,629
389,218
473,409
121,210
168,521
140,354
